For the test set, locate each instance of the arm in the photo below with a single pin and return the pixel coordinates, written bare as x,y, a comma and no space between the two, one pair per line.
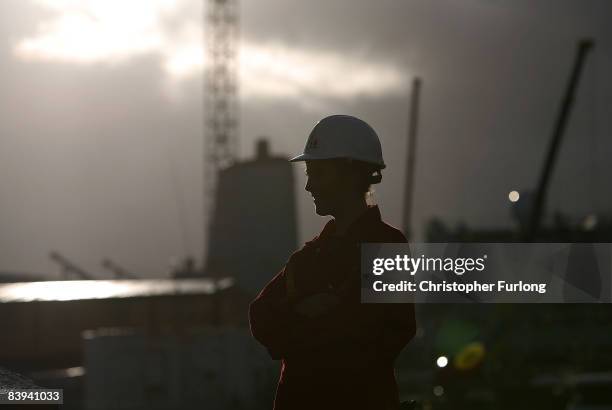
274,324
399,321
387,326
348,321
398,329
282,332
269,316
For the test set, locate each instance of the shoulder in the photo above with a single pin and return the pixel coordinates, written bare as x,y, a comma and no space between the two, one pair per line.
387,233
305,251
382,232
375,229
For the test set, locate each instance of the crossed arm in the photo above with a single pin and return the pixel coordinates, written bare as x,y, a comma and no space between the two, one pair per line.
283,332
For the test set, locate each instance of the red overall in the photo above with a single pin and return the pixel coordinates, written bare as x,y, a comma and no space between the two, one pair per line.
344,358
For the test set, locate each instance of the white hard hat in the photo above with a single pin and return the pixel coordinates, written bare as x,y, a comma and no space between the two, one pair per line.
343,136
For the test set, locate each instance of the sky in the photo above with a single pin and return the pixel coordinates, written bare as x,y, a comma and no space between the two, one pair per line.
101,113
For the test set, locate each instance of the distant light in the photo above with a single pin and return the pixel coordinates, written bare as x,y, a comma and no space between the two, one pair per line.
513,196
438,391
590,222
442,361
75,371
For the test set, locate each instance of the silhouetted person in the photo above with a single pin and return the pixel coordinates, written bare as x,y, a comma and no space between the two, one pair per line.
336,352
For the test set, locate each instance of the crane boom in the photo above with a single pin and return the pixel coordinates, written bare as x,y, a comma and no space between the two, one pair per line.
584,46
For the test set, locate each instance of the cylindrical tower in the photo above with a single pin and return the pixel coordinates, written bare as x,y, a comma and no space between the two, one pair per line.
253,230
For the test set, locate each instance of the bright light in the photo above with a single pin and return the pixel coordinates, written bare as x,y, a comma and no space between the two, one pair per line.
513,196
101,289
442,361
96,31
117,31
438,391
62,290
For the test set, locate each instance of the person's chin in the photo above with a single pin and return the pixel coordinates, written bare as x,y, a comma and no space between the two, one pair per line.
320,210
321,213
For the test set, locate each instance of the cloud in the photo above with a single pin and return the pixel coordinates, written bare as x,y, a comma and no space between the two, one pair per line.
284,72
114,32
96,31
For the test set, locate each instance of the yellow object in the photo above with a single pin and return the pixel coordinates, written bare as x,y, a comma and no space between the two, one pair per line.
470,356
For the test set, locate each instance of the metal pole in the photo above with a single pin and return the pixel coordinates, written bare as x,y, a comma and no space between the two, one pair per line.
584,46
411,156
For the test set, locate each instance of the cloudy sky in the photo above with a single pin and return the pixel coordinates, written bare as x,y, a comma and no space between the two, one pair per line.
101,112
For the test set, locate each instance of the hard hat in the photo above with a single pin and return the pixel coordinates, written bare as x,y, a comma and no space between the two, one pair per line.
343,136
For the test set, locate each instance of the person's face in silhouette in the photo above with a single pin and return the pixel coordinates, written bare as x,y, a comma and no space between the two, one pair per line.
331,185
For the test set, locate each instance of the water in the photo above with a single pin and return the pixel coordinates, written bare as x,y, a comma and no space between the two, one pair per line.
104,289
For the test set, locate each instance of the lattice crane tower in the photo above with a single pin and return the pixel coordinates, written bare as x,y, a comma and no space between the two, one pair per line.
220,94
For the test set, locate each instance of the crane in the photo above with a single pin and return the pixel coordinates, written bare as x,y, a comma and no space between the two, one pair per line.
116,269
584,46
220,94
68,266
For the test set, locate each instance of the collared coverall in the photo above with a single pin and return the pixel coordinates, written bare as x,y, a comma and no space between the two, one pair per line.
344,358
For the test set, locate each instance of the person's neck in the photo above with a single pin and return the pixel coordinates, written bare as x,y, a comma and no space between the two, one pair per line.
349,214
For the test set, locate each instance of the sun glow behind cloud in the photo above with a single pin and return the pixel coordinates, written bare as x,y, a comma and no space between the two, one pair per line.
94,31
116,31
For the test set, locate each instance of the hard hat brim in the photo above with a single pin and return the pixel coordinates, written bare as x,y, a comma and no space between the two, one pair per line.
303,157
310,157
